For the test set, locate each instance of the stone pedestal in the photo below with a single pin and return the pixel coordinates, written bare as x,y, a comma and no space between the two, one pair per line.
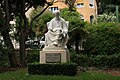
54,55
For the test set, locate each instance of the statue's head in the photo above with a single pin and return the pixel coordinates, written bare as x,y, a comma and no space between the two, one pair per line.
56,13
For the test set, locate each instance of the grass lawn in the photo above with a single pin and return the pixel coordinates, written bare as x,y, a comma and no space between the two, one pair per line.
90,75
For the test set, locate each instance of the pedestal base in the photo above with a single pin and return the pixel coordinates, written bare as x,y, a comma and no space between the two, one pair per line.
54,55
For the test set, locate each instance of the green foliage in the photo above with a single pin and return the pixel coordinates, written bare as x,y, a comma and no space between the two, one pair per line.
69,69
3,57
106,17
102,47
108,6
103,39
39,25
39,2
73,17
33,56
99,61
71,4
76,31
115,2
81,60
110,61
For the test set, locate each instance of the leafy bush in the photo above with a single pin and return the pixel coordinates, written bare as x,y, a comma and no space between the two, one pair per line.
99,61
103,39
114,60
3,57
53,69
102,47
33,56
81,60
106,17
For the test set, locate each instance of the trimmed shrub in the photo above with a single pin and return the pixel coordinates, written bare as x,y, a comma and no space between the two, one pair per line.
99,61
69,69
114,60
81,60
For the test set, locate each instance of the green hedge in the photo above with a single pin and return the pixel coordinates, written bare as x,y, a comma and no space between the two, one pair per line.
69,69
99,61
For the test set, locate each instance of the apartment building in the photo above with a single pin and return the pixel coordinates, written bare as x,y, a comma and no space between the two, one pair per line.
86,8
58,5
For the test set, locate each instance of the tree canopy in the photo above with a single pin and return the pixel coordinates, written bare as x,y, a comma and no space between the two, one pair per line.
76,31
107,5
10,9
39,25
115,2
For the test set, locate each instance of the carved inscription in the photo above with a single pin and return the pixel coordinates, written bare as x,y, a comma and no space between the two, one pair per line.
53,57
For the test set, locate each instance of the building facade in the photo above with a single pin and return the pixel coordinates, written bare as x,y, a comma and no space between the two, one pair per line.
58,5
86,8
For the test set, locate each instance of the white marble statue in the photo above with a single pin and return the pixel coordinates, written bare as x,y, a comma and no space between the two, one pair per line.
57,34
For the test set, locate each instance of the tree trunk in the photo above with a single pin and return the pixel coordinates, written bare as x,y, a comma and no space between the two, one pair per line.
24,32
77,45
23,57
77,38
5,33
22,38
11,53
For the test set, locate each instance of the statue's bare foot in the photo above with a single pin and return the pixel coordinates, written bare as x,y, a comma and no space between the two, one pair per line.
55,44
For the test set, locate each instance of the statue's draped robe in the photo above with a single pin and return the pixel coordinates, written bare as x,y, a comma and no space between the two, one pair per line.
57,33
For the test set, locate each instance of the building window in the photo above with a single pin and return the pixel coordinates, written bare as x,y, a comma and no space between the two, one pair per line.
53,9
80,5
91,19
91,4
